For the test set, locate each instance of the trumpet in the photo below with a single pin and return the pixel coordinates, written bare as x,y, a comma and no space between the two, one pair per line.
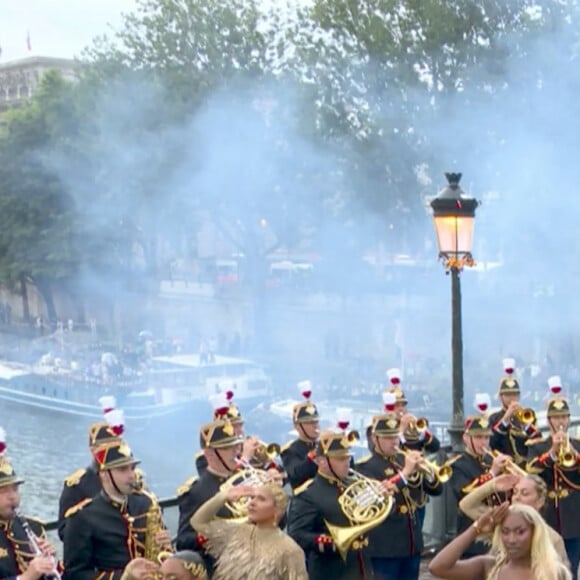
353,436
525,416
510,467
566,457
415,427
441,472
266,452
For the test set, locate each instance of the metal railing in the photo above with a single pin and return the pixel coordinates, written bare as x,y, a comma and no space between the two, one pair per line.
440,517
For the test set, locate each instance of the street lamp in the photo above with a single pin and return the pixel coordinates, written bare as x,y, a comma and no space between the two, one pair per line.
454,216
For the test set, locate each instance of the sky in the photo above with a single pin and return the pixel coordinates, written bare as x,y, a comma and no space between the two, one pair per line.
57,28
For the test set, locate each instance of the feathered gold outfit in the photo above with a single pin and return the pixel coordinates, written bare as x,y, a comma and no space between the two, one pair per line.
246,552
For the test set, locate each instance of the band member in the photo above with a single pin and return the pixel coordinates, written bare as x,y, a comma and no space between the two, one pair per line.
85,483
521,549
557,462
256,549
224,408
102,535
220,446
511,431
529,490
184,565
473,468
24,552
412,437
395,545
298,456
316,505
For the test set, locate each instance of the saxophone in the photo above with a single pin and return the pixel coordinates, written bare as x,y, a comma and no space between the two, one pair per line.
154,524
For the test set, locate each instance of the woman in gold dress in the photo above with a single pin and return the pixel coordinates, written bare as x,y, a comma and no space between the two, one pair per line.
254,550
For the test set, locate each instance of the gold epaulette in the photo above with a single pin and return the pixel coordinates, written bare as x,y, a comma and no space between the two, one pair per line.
187,485
286,446
77,507
303,487
74,478
364,459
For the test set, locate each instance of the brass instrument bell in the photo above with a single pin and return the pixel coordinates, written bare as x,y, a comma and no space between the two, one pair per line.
525,416
353,436
566,457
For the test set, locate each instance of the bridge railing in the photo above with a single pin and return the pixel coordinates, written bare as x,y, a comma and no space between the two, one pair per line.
440,517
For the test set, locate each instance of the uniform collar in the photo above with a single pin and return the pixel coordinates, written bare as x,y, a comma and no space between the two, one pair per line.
5,524
331,480
475,456
115,503
219,477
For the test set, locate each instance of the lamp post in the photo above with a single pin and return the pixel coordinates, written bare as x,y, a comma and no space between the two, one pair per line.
454,216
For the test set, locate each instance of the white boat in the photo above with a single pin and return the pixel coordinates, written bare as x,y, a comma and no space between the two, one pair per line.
170,385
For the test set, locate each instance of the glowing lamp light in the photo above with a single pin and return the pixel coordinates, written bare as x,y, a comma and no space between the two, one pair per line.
389,401
482,402
509,365
454,217
555,384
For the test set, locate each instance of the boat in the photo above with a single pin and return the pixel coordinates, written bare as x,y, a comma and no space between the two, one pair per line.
169,384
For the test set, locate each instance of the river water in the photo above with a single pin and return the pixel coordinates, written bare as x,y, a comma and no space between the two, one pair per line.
45,447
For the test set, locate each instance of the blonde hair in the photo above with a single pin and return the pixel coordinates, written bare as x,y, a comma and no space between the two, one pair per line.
278,495
545,561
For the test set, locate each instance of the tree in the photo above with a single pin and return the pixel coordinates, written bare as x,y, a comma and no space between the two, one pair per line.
37,236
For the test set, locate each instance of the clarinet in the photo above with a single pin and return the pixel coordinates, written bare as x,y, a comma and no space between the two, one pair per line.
35,547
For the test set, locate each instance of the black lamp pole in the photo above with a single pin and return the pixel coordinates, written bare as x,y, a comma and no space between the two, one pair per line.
454,213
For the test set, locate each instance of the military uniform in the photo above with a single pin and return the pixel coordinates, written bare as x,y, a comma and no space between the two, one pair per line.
84,483
471,471
80,485
197,490
511,439
314,505
101,535
298,456
191,496
397,543
563,502
15,549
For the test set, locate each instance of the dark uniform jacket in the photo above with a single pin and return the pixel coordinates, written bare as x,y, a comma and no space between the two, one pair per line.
82,484
510,440
299,468
102,536
312,505
400,535
469,472
15,549
200,463
429,444
563,504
